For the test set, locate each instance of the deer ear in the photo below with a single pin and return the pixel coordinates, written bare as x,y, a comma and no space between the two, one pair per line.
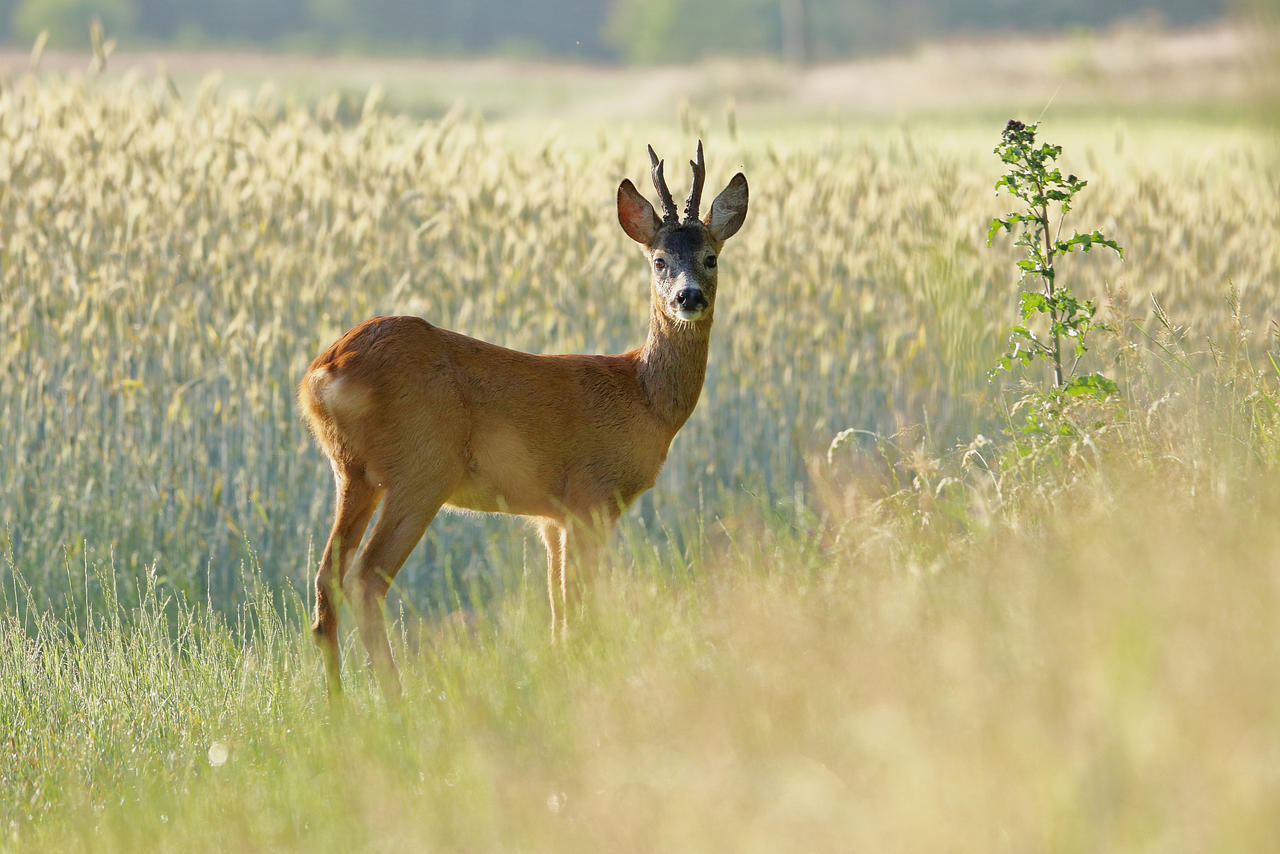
635,214
728,210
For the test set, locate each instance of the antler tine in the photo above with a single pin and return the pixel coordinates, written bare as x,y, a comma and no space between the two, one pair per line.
695,192
660,184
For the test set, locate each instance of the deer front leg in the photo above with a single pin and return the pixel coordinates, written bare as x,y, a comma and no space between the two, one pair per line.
554,536
574,549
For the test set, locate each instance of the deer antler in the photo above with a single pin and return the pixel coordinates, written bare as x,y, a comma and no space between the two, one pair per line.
695,192
669,213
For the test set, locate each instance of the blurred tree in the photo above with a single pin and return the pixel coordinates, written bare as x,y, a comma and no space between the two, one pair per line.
6,20
795,43
972,15
68,20
640,30
162,20
553,27
841,30
331,19
681,30
248,20
685,30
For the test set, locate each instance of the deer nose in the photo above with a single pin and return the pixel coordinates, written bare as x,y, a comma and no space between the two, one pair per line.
691,299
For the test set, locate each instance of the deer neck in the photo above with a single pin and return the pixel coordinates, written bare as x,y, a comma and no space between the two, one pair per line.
672,365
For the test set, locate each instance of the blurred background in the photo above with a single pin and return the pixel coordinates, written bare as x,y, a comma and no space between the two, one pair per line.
617,31
580,61
768,62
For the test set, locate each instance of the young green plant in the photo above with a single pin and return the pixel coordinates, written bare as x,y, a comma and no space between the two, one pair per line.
1036,181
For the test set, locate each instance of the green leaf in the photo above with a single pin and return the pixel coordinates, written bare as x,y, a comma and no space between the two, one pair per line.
996,225
1088,241
1092,385
1030,302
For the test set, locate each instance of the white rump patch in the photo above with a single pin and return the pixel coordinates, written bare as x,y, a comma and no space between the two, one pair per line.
341,396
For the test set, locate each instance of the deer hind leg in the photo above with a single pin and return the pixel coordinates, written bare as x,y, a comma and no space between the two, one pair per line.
356,501
405,517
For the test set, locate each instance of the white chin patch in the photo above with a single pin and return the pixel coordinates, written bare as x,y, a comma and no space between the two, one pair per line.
690,316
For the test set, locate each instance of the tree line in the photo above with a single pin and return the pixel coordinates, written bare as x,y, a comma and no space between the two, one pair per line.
593,30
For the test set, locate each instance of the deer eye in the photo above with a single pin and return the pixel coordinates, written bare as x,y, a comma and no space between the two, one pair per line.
711,261
659,264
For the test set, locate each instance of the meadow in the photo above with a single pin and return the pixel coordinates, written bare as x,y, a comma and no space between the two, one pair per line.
929,638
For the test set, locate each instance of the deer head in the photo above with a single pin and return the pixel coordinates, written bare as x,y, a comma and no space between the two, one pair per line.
682,252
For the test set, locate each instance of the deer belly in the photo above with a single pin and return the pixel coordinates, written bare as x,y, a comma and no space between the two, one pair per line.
502,476
613,482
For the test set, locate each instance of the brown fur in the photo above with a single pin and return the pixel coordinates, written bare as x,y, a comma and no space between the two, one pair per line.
418,417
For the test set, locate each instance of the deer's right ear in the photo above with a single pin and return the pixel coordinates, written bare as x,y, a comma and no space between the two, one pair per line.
636,215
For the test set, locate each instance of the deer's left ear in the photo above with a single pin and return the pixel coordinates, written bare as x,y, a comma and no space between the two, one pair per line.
729,210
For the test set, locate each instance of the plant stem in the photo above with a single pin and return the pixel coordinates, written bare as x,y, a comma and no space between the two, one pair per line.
1048,279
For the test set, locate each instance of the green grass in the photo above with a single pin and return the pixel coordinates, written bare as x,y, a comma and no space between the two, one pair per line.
1098,673
927,642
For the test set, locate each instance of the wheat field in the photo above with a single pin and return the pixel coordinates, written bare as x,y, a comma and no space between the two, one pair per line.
924,640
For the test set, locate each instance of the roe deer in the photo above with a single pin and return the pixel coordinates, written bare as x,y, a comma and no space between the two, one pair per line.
419,417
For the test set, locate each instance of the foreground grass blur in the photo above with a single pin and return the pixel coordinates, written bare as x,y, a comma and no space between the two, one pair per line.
1095,666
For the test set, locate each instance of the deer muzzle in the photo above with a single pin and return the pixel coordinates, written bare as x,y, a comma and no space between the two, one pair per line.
689,303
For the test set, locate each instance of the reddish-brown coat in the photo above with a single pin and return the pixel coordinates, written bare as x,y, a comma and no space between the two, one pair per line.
418,417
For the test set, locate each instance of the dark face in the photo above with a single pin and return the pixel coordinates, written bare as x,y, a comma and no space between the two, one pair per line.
682,254
682,259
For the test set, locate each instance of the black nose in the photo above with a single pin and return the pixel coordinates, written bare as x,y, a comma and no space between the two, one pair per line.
691,299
